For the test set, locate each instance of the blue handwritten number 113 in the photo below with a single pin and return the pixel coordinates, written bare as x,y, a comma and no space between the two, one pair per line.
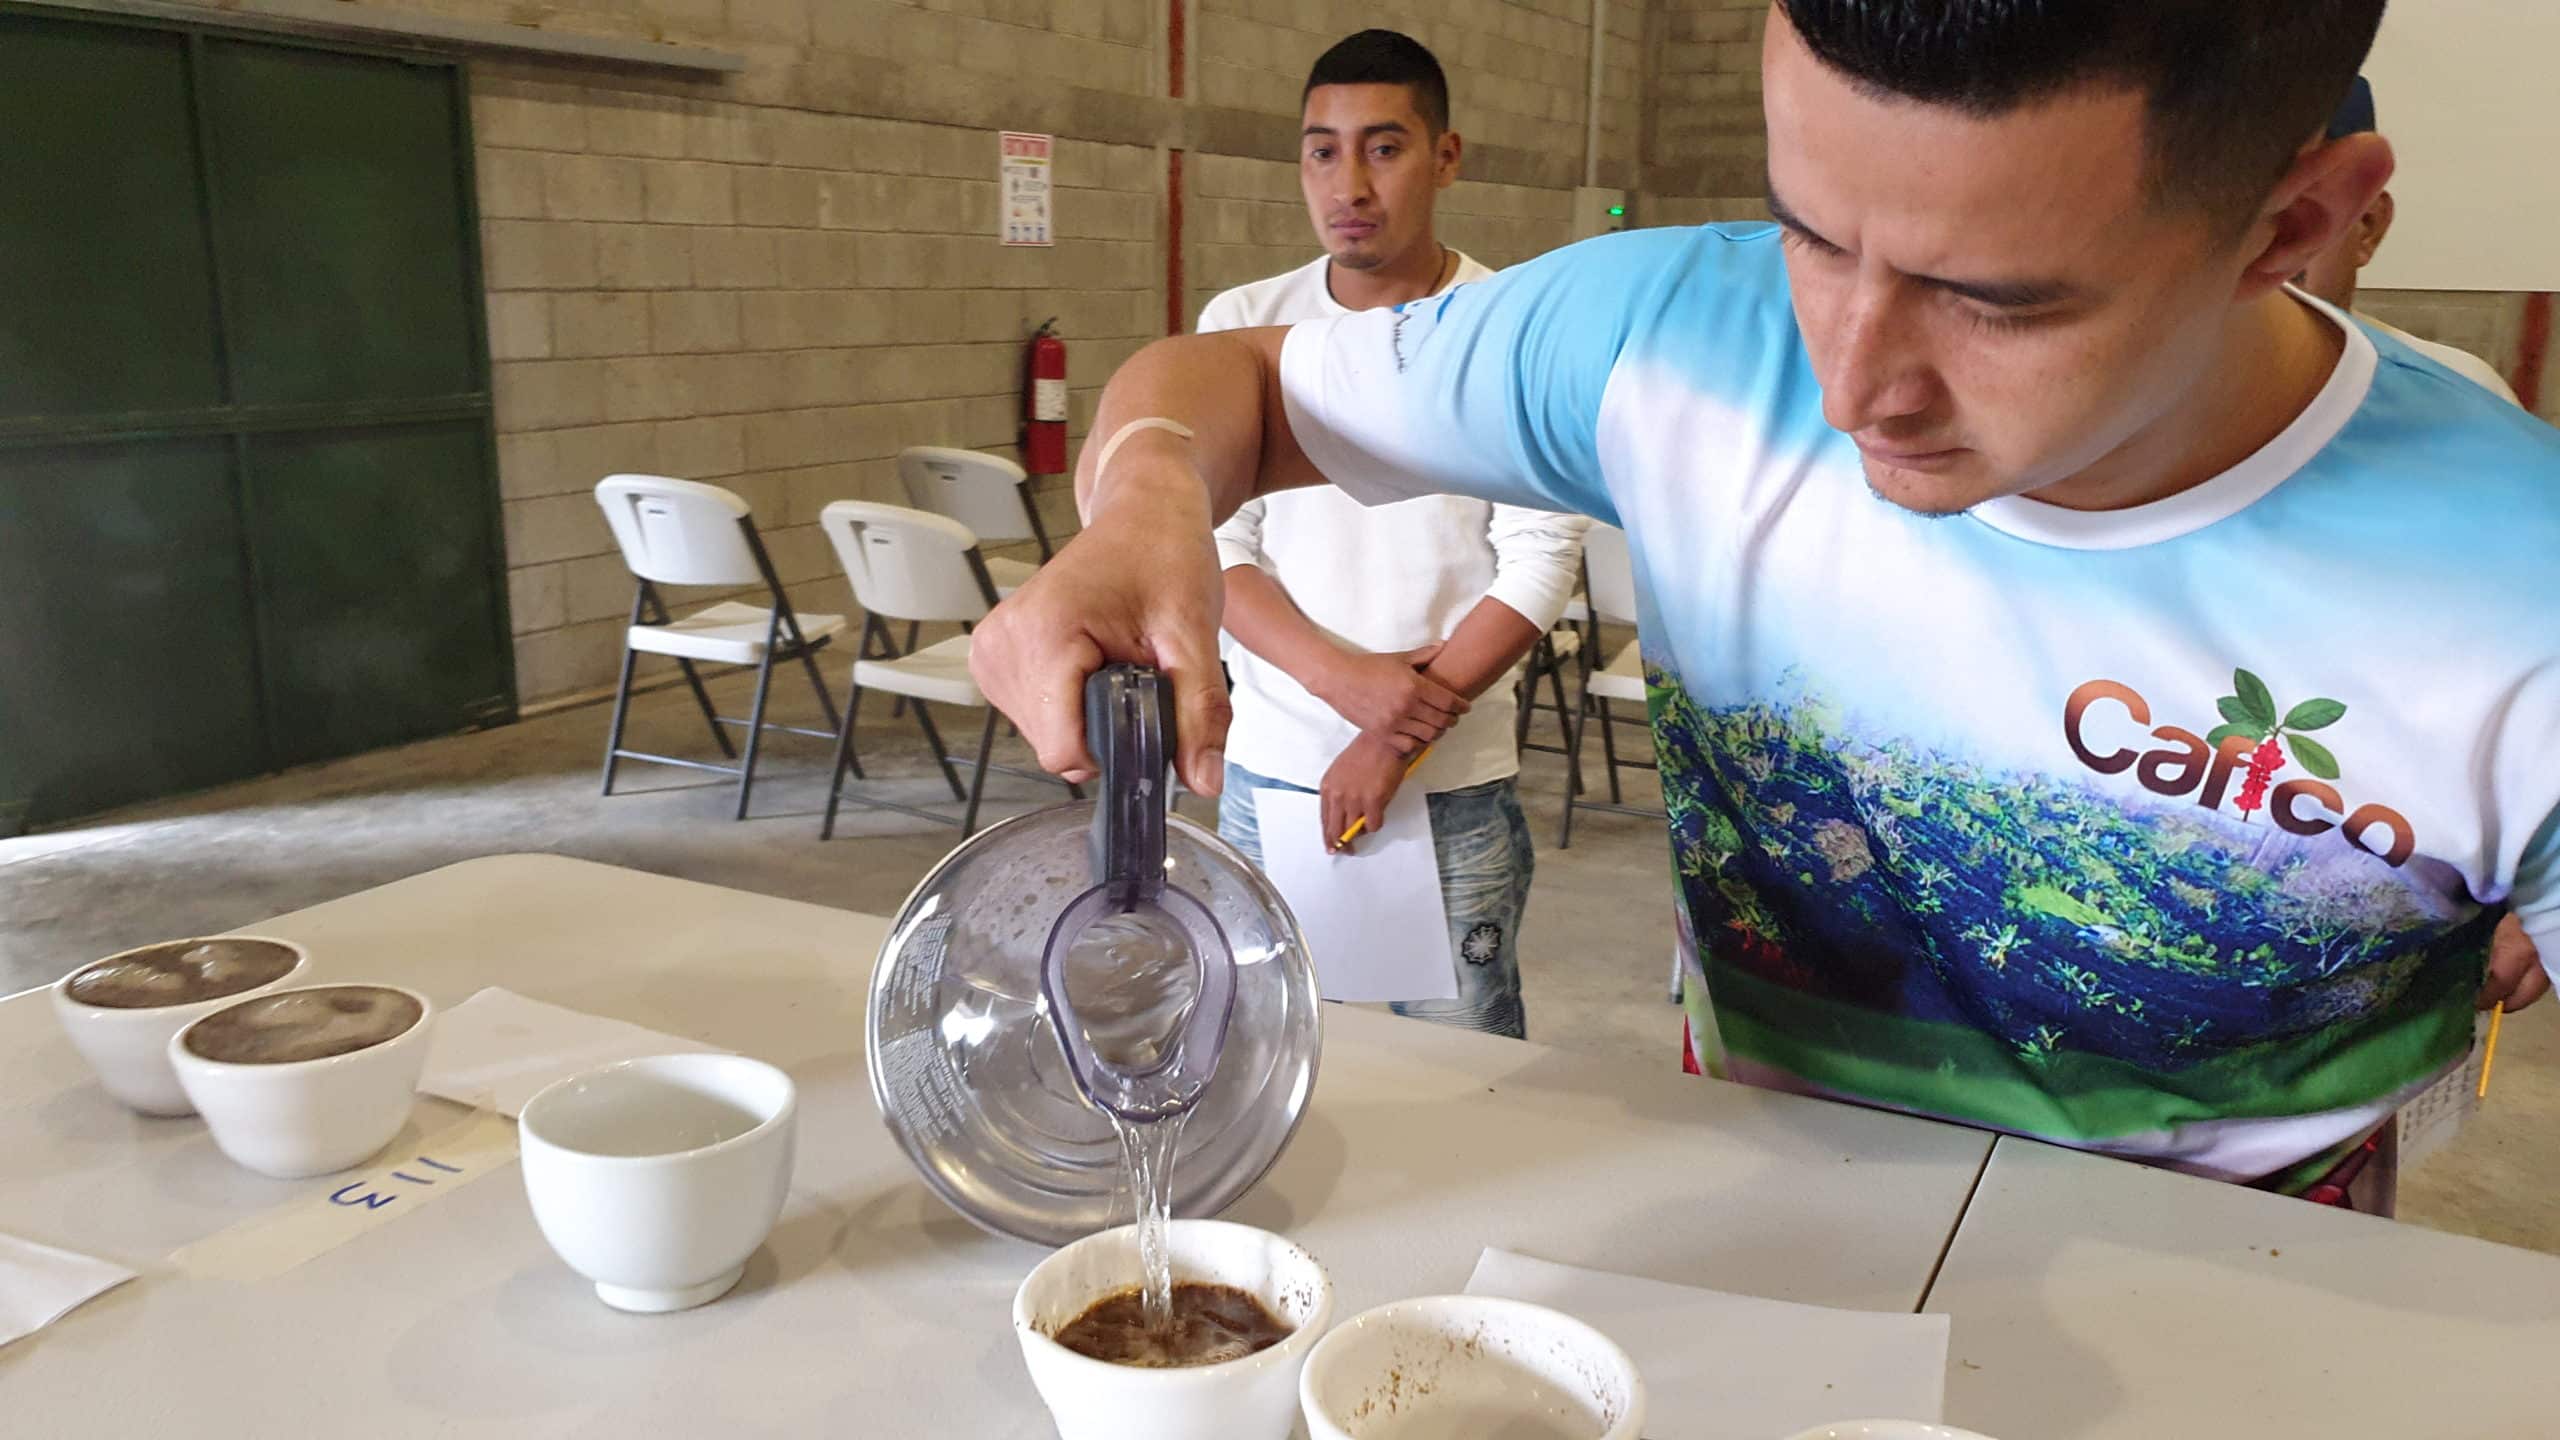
374,1199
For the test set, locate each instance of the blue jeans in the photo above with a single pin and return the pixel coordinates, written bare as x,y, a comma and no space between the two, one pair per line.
1485,863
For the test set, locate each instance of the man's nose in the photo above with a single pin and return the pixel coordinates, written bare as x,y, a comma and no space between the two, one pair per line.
1351,187
1878,369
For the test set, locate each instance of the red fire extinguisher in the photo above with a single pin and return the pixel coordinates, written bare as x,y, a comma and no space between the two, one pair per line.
1044,403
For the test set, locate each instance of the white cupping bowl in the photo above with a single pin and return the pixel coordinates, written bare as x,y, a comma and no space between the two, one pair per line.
1252,1398
308,1117
633,1195
129,1048
1462,1367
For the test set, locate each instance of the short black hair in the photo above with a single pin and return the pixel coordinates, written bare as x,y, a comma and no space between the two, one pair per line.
1386,57
2235,87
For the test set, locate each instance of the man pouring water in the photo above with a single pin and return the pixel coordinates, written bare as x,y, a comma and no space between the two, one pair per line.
2101,692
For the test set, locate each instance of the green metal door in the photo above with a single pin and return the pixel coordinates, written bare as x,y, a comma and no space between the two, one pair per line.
248,515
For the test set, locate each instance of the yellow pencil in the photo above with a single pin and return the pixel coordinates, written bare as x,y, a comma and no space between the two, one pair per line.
2489,1052
1363,822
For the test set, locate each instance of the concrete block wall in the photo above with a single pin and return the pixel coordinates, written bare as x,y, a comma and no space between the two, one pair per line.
774,280
1704,136
770,299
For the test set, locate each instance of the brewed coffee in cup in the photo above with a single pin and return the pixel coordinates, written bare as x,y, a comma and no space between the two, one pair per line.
1212,1324
183,972
297,1025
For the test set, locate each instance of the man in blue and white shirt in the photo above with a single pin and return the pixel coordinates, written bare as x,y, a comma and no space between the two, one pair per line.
2101,692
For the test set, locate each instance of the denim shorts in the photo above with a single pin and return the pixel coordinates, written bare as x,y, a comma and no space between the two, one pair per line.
1485,863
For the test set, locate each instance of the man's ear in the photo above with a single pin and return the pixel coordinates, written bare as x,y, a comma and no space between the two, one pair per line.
2377,223
1444,158
2327,190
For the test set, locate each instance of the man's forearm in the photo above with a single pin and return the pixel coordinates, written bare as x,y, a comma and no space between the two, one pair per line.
1264,620
1487,643
1224,388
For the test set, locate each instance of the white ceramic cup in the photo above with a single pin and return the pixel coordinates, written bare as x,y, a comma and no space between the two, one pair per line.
129,1048
657,1178
307,1117
1459,1367
1252,1398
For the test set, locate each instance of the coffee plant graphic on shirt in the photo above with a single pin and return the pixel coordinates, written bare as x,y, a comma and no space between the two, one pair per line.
2071,952
2251,711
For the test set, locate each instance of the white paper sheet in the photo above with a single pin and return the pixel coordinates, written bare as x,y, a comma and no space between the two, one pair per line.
1374,920
40,1284
1733,1367
497,1049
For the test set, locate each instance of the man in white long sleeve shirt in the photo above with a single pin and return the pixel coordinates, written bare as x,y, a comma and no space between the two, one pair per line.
1362,635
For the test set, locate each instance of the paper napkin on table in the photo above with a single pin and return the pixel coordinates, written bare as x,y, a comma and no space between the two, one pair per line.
39,1284
497,1049
1735,1367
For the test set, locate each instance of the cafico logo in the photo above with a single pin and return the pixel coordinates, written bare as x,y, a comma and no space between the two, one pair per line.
2254,741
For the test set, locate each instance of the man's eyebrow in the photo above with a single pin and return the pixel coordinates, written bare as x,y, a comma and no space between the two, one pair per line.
1779,212
2006,294
1389,127
2001,294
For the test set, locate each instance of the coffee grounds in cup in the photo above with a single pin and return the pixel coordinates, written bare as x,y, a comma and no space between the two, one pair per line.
296,1025
1211,1324
182,972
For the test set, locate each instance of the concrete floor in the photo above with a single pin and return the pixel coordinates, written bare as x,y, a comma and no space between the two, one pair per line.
1595,947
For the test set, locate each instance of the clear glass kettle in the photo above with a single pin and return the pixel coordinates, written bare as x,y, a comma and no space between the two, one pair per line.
1097,956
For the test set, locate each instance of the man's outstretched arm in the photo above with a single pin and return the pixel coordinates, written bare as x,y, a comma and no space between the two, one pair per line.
1141,583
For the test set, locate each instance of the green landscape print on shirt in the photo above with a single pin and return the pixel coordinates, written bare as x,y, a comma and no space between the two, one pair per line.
2046,954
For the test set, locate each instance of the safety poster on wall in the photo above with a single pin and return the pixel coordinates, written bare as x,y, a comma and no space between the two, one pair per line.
1023,188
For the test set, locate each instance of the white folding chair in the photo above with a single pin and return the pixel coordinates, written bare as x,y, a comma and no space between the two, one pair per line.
682,532
1613,599
921,568
984,492
1569,641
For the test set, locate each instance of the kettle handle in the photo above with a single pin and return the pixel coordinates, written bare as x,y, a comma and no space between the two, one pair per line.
1128,727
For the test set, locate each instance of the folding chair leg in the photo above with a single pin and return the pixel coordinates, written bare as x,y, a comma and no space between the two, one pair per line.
1609,749
1573,731
844,757
978,778
914,629
941,753
1525,699
755,732
826,702
621,713
710,716
1564,718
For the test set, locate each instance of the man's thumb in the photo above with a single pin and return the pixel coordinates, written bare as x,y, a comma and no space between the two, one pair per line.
1201,713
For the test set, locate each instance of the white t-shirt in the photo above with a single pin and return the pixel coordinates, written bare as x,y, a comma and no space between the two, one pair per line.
2177,831
2461,362
1391,578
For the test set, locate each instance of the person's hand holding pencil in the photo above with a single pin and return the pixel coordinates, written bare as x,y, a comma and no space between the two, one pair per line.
1356,790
